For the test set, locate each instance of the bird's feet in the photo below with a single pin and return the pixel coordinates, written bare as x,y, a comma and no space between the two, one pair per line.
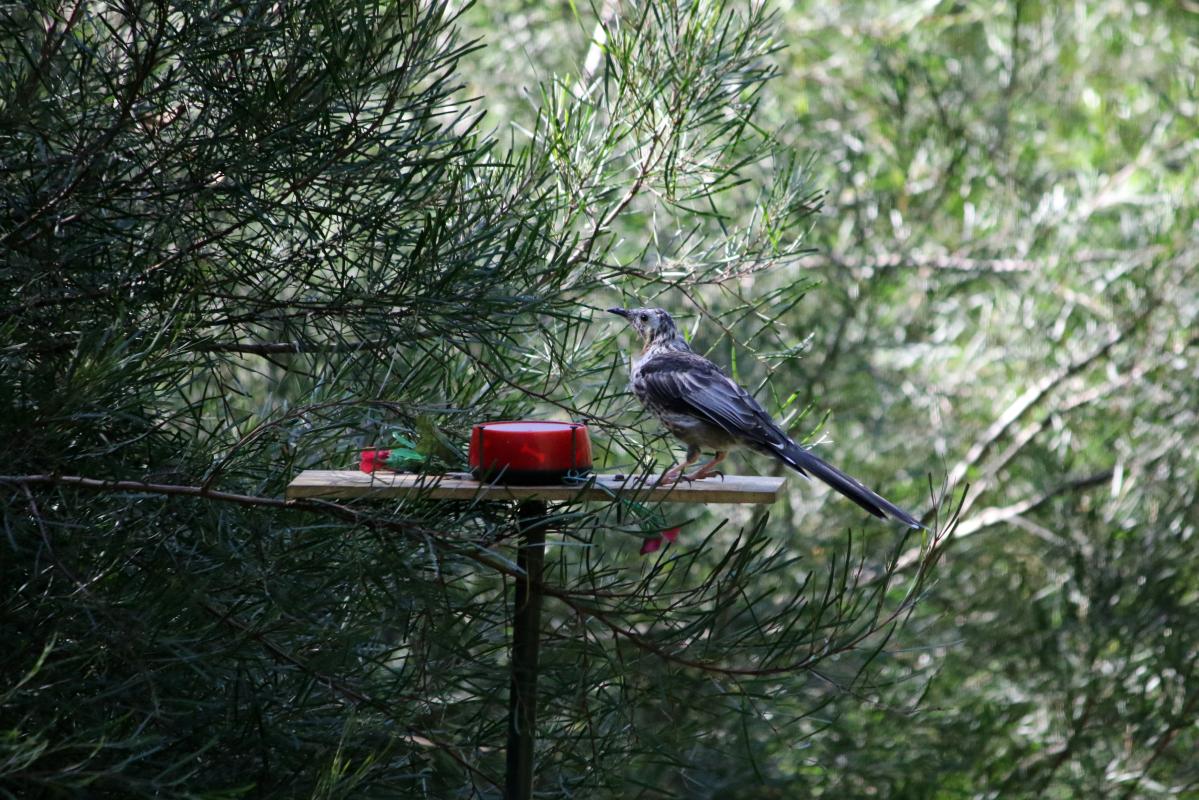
700,474
676,473
673,476
705,470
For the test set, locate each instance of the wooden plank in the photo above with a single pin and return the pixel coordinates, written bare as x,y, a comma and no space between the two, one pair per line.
346,484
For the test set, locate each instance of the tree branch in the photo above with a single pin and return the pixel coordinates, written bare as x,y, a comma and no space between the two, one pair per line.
570,598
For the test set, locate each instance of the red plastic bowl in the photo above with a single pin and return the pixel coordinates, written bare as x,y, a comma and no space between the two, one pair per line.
529,451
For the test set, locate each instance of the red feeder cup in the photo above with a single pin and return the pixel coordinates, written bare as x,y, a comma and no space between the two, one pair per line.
529,452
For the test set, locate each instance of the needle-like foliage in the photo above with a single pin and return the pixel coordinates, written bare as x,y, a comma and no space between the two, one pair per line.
240,240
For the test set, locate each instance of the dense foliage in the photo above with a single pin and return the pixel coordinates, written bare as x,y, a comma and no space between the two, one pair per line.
951,244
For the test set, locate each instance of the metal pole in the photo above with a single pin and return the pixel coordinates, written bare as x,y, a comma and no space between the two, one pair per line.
526,632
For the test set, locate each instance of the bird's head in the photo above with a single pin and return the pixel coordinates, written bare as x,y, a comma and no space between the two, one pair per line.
653,324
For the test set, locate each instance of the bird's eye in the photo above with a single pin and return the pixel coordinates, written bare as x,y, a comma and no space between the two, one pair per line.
645,317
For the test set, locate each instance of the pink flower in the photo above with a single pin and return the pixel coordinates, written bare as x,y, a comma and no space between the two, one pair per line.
373,460
653,545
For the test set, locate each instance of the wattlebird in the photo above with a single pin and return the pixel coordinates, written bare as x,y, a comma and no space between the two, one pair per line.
707,410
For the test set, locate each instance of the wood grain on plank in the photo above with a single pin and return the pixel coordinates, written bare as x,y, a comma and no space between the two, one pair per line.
346,484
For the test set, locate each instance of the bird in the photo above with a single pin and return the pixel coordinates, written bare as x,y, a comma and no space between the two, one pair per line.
702,406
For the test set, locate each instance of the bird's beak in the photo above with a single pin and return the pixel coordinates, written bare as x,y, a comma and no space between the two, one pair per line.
618,311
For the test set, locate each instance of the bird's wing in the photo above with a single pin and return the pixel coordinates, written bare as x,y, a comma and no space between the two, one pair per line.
691,384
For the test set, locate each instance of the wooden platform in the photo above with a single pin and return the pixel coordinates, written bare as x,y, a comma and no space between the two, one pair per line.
345,484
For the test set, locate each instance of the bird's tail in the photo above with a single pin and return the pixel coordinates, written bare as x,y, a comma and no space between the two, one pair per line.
803,462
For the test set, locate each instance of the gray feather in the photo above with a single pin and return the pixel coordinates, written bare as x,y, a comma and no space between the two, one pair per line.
676,384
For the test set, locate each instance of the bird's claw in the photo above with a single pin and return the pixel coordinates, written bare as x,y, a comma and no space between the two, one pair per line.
700,475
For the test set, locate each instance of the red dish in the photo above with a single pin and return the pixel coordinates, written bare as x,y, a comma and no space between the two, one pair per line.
529,452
